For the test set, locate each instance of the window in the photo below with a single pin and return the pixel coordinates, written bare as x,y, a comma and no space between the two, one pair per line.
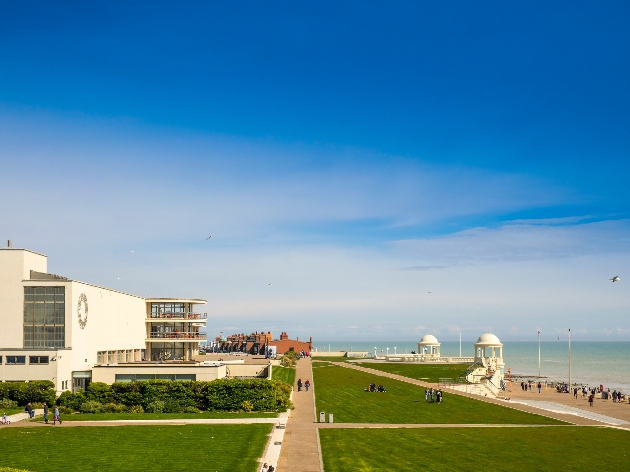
0,359
141,377
44,317
38,359
17,360
100,357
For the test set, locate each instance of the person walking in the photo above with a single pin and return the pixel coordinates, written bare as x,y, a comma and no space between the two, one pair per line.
591,397
45,413
539,386
56,416
426,394
29,410
299,384
307,384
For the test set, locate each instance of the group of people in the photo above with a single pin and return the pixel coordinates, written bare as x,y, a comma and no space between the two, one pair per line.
374,389
306,385
305,354
527,386
435,395
31,413
267,468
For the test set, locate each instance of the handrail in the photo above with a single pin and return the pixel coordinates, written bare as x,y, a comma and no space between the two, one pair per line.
178,335
178,316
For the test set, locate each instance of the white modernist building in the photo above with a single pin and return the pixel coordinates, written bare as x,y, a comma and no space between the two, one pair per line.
54,328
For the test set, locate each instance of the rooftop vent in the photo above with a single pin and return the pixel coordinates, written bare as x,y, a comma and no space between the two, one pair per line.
9,244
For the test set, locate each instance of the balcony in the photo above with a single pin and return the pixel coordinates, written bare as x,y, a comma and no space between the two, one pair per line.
179,337
200,317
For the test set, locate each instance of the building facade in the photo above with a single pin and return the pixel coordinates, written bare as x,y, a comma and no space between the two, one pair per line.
58,329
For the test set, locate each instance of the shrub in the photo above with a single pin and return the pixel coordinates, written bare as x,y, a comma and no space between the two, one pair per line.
155,407
37,405
11,469
136,409
229,394
191,409
283,396
247,406
171,406
71,400
100,392
6,403
114,408
91,407
64,410
23,392
288,361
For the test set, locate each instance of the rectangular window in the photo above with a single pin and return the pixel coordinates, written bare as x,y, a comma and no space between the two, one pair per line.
0,359
44,317
38,359
16,360
100,357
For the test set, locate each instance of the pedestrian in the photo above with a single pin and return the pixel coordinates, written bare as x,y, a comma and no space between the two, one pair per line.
56,416
591,397
29,410
539,386
522,385
264,468
271,468
299,384
575,392
432,395
45,413
307,384
426,394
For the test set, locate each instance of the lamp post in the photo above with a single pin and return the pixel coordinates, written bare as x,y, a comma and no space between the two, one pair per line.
374,352
394,350
570,360
387,352
460,344
538,354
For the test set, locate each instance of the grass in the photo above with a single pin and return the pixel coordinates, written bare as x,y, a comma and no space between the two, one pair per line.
464,449
131,448
12,411
284,374
426,372
334,359
158,416
339,390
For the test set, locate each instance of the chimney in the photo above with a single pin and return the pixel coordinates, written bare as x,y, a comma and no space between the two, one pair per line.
9,244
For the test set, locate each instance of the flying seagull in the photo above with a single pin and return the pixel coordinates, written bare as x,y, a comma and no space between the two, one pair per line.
208,237
132,251
615,278
270,284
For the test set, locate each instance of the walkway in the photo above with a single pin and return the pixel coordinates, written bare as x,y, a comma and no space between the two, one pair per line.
573,418
300,448
569,410
277,421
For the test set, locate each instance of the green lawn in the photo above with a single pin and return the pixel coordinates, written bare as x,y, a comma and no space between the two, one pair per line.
12,411
334,359
474,449
285,374
157,416
339,390
131,448
425,372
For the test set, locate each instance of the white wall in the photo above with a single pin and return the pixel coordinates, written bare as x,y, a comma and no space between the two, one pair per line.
115,321
15,266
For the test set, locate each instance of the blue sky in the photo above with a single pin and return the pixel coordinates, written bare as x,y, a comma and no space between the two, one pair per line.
358,156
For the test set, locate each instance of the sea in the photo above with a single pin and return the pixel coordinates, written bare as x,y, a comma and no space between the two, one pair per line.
592,363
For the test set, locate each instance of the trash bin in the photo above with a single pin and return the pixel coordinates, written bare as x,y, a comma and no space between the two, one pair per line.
330,417
322,416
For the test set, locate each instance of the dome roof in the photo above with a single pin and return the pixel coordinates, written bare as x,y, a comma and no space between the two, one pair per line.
489,339
428,339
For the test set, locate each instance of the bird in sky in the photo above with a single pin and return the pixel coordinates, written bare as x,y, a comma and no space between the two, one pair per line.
270,284
118,278
132,251
429,292
615,279
208,237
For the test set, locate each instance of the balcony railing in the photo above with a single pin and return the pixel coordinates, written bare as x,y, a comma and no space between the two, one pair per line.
179,316
178,335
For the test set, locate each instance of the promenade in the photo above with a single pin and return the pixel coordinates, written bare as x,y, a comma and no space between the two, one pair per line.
300,448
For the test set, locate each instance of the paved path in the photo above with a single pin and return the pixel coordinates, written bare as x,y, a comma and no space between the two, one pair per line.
440,425
560,408
569,418
300,448
181,421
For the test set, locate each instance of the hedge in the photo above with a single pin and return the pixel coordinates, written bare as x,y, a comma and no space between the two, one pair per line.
176,395
24,392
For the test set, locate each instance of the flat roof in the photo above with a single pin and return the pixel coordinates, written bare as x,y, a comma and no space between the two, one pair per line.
194,301
21,249
36,282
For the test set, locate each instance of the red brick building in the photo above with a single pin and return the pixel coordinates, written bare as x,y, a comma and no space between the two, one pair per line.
256,343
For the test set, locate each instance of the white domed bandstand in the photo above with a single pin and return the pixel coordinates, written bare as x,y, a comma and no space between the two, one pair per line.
429,346
489,351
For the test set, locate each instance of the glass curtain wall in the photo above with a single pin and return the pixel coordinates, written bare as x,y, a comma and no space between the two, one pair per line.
167,351
44,317
160,309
